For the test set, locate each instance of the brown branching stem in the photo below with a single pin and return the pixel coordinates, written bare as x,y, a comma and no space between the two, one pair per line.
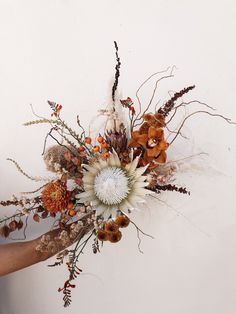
152,97
138,235
138,90
183,104
197,112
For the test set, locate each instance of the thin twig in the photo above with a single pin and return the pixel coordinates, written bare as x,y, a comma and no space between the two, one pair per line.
200,111
139,239
137,96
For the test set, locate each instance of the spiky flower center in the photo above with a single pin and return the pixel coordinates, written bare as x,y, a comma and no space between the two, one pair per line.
111,185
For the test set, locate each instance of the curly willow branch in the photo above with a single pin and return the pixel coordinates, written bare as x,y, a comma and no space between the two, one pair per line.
183,104
138,118
196,112
137,96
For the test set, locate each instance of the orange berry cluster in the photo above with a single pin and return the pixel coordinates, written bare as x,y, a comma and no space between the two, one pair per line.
101,148
110,231
71,210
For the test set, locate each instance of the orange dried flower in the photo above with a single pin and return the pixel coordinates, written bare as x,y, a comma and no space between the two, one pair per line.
115,236
102,235
122,221
153,141
55,196
111,227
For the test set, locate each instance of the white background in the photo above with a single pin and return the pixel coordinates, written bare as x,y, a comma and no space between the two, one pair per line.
63,51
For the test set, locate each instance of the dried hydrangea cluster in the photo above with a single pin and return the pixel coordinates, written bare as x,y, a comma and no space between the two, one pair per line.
99,180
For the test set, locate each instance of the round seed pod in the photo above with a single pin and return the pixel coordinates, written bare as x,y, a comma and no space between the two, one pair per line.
5,231
13,225
115,236
111,227
122,221
102,235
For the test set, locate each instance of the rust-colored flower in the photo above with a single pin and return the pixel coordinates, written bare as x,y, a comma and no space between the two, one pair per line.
122,221
115,236
153,141
157,120
55,196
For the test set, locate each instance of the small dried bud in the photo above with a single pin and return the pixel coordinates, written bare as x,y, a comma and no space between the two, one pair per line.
5,231
36,217
44,214
13,225
20,224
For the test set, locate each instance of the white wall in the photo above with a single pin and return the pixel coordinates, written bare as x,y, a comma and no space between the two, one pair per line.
63,51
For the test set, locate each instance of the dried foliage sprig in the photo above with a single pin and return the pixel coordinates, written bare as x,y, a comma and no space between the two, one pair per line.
117,73
169,105
171,187
37,179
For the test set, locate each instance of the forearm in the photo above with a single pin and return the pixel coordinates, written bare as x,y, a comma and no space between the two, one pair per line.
15,256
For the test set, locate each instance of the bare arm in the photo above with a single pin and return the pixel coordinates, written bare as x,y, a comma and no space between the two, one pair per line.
18,255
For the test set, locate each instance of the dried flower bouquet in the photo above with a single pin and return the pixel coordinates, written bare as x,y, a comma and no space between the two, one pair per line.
99,181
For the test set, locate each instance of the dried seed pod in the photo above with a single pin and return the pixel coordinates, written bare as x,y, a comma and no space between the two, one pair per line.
111,227
13,225
44,214
20,224
5,231
36,217
102,235
115,236
122,221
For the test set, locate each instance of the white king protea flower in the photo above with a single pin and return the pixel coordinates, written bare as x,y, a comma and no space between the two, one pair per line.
109,187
